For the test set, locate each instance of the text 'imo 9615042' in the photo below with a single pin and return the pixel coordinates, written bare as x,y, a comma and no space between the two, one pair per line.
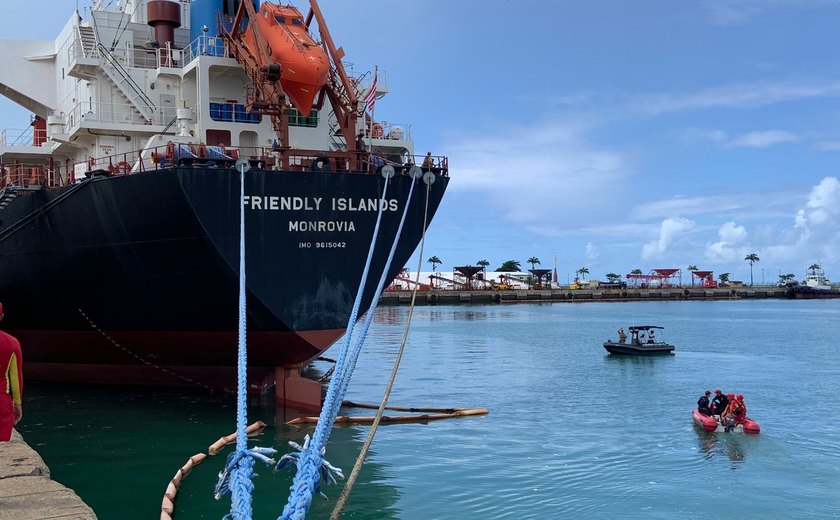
119,231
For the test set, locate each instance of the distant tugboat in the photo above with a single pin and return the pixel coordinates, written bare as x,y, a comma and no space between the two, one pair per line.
815,285
642,342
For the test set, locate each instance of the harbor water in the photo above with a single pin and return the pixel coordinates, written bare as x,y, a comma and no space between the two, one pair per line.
572,431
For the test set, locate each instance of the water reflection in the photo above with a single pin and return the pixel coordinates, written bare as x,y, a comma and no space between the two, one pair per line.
730,445
82,431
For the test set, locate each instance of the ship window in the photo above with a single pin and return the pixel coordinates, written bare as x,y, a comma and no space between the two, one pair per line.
296,21
296,119
280,19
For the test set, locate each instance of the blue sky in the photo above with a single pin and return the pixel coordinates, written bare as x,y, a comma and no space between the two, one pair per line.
611,135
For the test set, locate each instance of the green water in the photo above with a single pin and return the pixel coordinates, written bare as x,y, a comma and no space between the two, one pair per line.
572,431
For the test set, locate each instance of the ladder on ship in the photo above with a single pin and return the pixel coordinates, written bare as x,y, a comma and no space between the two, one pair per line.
116,74
7,195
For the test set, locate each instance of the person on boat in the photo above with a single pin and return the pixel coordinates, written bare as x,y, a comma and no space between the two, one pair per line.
703,404
622,336
11,393
740,397
735,412
719,403
650,337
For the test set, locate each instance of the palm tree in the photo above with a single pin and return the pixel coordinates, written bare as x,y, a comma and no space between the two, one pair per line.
751,258
434,261
723,277
582,271
814,268
636,271
692,268
533,261
613,278
509,266
483,264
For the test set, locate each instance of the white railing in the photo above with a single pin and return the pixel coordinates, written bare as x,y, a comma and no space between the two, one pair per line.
115,113
204,46
16,137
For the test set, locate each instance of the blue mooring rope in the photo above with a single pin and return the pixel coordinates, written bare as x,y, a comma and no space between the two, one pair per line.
309,458
236,478
239,467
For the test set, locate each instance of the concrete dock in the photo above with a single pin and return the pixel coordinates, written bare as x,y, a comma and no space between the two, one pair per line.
448,297
28,493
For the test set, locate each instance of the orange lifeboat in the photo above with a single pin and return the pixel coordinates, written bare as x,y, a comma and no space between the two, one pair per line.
304,65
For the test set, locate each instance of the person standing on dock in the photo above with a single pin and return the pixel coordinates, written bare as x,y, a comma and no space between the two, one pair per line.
11,366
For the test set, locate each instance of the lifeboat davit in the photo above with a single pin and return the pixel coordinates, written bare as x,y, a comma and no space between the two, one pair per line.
711,424
304,65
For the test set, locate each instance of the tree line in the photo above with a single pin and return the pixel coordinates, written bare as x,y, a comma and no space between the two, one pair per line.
511,266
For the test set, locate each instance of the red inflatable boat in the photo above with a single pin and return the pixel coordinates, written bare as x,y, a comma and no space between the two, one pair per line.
712,424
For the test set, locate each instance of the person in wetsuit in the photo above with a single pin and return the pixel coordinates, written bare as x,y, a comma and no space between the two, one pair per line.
11,388
719,403
703,404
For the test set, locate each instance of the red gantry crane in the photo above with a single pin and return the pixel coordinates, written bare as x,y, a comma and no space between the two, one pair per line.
658,278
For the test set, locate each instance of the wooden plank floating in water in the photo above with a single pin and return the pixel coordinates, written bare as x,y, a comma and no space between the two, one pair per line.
446,413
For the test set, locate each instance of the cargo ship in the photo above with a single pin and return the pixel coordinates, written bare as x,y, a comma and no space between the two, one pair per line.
119,204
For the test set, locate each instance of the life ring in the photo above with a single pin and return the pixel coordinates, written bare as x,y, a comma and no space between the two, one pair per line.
685,292
122,167
624,294
378,131
321,164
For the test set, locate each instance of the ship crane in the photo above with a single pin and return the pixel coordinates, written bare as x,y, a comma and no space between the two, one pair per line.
287,67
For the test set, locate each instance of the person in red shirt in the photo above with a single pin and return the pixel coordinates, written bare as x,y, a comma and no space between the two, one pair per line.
11,393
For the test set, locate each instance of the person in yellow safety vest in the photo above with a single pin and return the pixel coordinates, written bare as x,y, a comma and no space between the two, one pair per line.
11,393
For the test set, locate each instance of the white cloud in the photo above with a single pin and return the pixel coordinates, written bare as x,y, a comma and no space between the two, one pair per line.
543,176
592,252
763,139
733,12
815,234
829,146
669,231
743,95
731,246
751,204
822,211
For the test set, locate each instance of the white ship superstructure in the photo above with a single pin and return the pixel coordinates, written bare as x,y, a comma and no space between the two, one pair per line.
141,73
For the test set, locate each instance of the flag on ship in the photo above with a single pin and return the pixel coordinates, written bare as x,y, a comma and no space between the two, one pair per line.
370,98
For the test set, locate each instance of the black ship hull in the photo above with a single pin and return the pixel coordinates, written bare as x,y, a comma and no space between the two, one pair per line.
135,278
803,292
